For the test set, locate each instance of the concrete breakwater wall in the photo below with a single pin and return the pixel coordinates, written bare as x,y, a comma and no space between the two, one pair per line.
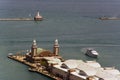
37,17
16,19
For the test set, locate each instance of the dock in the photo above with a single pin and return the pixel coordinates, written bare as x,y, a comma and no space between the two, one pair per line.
33,66
16,19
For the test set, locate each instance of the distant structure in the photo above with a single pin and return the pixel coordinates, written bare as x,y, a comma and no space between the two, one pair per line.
38,17
109,18
36,54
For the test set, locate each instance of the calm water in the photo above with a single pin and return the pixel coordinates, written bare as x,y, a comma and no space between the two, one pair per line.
73,22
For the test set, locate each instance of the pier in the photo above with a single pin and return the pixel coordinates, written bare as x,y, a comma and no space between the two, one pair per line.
37,17
50,64
33,67
16,19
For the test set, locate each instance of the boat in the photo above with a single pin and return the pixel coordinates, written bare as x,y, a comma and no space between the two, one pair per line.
109,18
32,69
10,54
92,53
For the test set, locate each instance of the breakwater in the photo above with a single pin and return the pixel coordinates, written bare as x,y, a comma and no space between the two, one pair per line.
16,19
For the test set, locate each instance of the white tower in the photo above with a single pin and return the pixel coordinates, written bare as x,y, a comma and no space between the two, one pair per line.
38,17
56,48
34,48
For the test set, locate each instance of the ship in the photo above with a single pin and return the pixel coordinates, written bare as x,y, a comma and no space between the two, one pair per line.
92,53
109,18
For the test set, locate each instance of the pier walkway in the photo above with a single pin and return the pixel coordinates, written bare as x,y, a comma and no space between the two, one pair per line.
33,66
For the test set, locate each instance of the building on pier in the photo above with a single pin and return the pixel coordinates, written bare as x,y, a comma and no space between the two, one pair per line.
56,48
80,70
36,54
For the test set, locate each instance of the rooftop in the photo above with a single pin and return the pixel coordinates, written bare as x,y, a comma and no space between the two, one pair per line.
90,68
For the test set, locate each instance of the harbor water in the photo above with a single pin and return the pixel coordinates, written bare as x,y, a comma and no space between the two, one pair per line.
74,23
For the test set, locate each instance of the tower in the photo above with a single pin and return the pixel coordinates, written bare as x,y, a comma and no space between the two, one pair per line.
38,17
56,48
34,48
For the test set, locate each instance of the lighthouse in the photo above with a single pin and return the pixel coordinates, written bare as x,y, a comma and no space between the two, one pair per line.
34,48
38,17
56,48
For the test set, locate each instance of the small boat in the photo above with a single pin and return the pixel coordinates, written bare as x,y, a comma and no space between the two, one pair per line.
32,69
10,54
92,53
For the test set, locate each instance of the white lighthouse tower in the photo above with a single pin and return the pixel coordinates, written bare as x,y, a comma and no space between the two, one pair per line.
56,48
38,17
34,48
